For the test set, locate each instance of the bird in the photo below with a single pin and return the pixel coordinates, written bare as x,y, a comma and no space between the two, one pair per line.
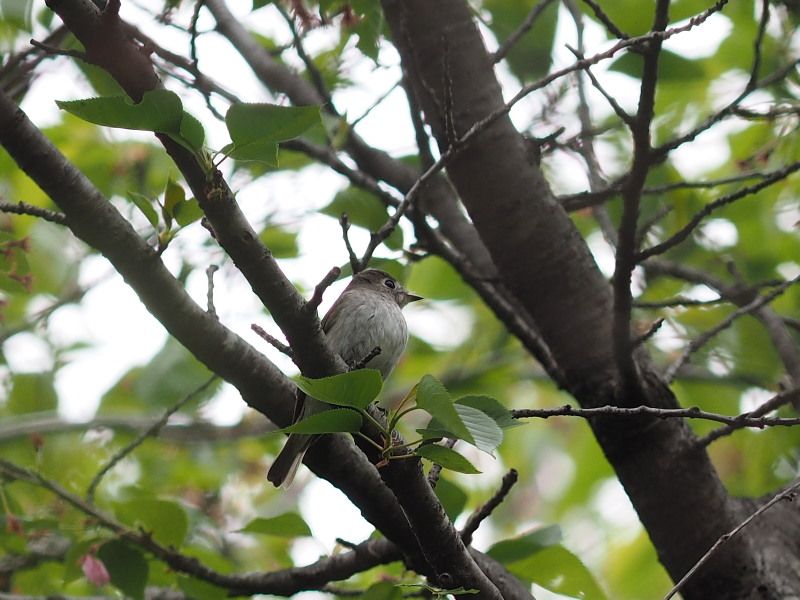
367,315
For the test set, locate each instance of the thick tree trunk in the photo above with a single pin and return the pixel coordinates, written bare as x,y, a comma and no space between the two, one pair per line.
548,267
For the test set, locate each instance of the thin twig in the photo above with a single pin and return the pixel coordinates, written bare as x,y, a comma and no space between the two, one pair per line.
581,200
355,264
612,102
483,512
687,229
327,156
661,413
679,302
420,134
202,82
273,341
70,297
758,45
772,404
496,298
525,91
59,51
703,339
365,556
184,432
23,208
606,20
151,431
671,187
625,261
316,76
364,362
732,106
648,334
347,544
650,223
789,493
193,31
210,270
352,124
319,289
586,147
524,27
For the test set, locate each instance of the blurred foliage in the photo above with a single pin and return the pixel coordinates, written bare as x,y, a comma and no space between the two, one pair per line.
210,500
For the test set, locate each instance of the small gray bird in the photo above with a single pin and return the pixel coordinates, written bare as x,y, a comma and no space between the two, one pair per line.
367,315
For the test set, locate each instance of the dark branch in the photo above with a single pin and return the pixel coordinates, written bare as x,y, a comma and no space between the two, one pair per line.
323,285
483,512
702,340
524,27
23,208
662,413
687,229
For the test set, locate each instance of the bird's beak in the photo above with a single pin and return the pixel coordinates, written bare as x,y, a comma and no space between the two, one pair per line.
412,298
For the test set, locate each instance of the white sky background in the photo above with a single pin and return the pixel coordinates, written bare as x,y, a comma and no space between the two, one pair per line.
122,334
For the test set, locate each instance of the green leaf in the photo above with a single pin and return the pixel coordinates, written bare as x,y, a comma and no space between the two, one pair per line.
526,545
452,497
337,420
282,243
160,111
492,407
447,458
364,210
197,589
531,55
356,389
265,152
368,27
433,398
174,194
187,212
287,525
672,68
256,129
248,123
127,567
383,590
145,206
485,433
192,131
435,278
166,521
560,571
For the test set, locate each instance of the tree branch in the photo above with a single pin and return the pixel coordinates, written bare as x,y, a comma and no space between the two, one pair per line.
788,494
151,431
23,208
631,195
686,231
285,582
93,219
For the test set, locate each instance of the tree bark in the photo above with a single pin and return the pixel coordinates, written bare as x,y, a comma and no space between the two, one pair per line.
547,266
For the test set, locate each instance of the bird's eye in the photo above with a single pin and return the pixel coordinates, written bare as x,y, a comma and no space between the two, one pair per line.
389,283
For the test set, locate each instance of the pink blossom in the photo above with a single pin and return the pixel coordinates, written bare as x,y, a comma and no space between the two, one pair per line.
94,569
